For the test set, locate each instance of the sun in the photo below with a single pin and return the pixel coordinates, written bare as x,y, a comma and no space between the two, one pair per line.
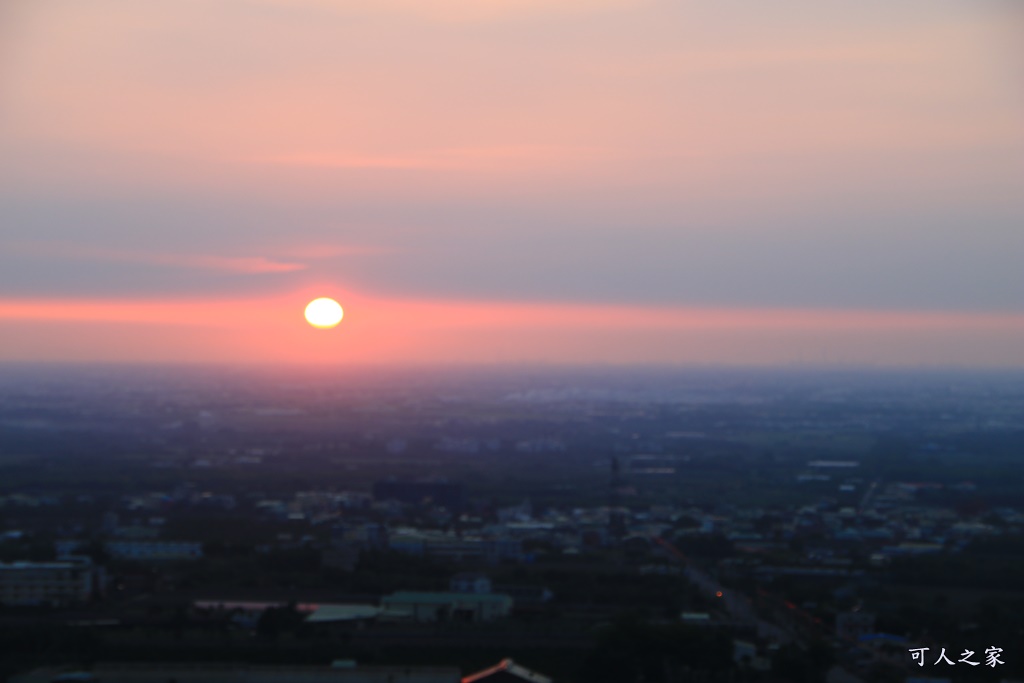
323,313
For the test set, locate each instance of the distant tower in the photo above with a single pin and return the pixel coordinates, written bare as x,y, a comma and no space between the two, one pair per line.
616,515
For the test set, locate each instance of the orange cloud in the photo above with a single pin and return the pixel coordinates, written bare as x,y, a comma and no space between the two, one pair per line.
228,264
231,264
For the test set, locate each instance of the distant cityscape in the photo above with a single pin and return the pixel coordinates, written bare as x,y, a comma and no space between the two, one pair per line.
546,526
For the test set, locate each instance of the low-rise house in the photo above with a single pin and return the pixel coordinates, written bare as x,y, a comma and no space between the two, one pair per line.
47,583
470,582
432,607
506,671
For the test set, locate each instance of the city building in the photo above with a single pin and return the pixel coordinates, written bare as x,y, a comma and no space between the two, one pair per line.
470,582
343,671
47,583
431,607
506,671
450,495
154,550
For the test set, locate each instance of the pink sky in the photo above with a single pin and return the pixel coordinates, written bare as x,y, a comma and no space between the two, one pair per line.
410,331
622,181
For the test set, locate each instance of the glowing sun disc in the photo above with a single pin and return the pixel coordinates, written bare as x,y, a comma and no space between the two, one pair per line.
323,313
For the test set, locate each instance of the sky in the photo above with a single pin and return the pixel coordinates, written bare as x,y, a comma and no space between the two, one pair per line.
542,181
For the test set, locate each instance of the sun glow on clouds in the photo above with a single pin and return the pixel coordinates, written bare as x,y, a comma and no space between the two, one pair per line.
213,262
231,264
288,259
410,331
